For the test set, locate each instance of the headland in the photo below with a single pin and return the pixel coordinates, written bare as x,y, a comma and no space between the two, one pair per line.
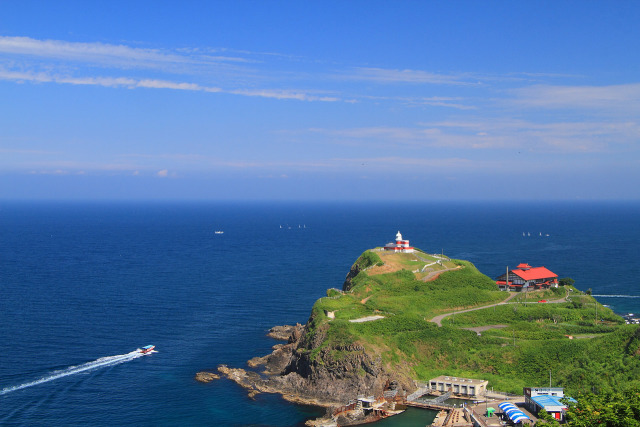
405,317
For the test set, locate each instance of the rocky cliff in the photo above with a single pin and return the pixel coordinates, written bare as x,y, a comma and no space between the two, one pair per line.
306,370
355,270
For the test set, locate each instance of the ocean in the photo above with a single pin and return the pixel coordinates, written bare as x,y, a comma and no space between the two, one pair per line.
83,285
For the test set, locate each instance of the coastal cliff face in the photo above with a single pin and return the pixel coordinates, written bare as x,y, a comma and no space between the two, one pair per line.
348,281
315,368
337,373
303,370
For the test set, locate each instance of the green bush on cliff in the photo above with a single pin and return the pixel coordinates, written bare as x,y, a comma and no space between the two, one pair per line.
367,259
468,276
339,334
393,325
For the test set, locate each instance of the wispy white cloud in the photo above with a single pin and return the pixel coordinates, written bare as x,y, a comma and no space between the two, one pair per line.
284,94
53,172
132,83
127,82
395,162
25,152
584,136
498,134
214,70
385,75
105,54
69,167
38,55
617,97
435,101
440,101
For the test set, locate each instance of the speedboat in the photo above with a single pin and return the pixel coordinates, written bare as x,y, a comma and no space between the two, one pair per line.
147,349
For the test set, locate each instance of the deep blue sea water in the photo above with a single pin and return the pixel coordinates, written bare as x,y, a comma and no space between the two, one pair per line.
80,282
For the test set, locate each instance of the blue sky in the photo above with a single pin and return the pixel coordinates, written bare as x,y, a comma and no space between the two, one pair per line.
356,100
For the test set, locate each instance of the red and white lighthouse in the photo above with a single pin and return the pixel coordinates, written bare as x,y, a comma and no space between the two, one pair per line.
400,245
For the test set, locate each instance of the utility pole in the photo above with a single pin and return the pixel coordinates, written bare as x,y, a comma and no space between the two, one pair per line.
506,281
486,411
549,378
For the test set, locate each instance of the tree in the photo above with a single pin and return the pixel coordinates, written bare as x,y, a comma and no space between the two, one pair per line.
546,420
608,409
566,281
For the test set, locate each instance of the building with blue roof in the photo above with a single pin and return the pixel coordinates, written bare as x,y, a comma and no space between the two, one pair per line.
547,398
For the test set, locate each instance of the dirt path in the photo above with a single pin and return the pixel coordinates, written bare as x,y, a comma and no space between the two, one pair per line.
366,319
438,319
434,274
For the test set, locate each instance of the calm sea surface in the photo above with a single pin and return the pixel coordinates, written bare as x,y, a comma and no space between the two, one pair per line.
83,285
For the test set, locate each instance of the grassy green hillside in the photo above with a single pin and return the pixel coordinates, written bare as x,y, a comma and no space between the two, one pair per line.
533,338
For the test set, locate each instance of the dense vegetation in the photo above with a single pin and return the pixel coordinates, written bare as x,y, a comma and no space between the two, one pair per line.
533,339
611,408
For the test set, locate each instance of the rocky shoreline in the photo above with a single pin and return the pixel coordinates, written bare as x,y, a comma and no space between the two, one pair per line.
324,380
270,378
307,370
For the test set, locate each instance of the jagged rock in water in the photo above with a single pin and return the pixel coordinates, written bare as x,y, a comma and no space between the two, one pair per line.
287,333
205,377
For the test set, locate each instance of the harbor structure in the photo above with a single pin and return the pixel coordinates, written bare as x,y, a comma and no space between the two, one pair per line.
401,245
460,386
526,277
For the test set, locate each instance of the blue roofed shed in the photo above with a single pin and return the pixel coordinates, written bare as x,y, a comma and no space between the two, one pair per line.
550,403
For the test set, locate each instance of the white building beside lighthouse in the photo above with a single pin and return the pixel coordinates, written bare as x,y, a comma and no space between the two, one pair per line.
400,245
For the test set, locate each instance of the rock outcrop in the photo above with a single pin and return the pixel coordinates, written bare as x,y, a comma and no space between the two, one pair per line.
205,377
286,333
307,370
353,272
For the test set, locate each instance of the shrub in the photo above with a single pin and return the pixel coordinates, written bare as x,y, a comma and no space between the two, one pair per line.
367,259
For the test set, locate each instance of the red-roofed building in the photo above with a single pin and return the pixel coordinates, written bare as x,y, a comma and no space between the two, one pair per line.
525,276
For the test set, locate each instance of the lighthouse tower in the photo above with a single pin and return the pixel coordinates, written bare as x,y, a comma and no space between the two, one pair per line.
400,245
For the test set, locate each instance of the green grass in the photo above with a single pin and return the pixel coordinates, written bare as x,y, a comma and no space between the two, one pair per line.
549,314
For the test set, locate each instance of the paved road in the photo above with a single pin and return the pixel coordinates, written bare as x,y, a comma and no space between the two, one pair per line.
438,319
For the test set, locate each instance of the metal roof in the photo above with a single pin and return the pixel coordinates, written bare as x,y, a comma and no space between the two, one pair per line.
512,411
506,405
535,273
519,418
546,401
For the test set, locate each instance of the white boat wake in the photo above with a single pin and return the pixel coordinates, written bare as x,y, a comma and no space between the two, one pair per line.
72,370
